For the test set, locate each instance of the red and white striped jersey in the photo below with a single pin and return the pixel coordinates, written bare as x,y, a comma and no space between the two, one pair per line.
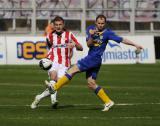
59,52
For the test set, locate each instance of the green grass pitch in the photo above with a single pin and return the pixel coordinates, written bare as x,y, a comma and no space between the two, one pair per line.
135,89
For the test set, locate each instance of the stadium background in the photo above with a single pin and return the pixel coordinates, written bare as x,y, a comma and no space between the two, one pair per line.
28,18
135,88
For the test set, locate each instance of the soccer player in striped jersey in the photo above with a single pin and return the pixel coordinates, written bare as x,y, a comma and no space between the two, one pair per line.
97,39
61,43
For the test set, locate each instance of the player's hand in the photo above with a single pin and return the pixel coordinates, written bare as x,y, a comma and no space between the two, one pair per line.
138,49
92,32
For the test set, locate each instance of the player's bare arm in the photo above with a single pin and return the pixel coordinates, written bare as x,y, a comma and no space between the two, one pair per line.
78,46
73,44
129,42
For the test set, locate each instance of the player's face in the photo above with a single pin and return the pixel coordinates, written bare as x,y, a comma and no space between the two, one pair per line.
100,23
58,26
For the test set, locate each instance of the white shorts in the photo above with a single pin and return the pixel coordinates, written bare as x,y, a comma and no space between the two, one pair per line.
59,68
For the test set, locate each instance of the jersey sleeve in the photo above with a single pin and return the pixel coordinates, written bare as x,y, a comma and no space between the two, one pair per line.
88,35
74,39
114,37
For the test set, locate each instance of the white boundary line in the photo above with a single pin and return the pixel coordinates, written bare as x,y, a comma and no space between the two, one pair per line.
118,104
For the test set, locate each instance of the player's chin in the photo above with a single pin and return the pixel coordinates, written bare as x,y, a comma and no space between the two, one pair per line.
59,30
100,28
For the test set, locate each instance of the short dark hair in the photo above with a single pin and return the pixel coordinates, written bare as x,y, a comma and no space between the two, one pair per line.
57,18
101,16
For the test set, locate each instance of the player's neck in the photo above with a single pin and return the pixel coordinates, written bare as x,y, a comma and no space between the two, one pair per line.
59,33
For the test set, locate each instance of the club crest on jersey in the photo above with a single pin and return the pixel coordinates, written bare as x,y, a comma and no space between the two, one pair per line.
98,42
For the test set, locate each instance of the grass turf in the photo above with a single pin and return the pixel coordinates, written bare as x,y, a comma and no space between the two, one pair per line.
134,88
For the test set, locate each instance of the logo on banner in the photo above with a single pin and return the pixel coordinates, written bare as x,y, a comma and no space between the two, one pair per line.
30,50
112,45
124,55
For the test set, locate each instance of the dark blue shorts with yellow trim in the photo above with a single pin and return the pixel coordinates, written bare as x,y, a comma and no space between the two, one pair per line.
90,65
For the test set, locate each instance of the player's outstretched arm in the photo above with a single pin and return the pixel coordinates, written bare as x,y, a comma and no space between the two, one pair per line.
129,42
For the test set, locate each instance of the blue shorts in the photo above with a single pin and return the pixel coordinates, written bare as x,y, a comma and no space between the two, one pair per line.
90,65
